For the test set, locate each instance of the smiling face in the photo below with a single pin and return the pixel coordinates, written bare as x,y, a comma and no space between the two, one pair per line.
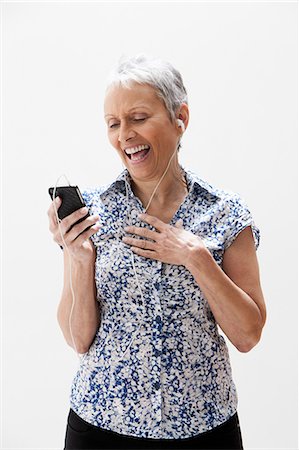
140,129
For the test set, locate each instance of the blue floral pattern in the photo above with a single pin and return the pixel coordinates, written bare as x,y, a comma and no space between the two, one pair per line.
158,367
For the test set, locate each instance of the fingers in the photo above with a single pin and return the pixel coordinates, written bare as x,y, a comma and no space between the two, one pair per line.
66,228
144,253
86,235
72,235
141,243
81,227
144,232
151,220
149,234
69,221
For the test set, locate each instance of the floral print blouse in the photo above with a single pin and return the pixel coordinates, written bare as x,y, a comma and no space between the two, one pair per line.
158,367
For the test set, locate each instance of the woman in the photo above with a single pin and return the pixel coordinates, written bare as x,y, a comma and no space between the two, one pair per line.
169,257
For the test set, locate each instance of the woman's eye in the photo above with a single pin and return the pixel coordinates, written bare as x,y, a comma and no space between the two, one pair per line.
139,119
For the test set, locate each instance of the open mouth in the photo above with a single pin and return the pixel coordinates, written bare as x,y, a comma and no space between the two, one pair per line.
137,153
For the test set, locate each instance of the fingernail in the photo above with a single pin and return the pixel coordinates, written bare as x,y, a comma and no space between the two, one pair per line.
84,210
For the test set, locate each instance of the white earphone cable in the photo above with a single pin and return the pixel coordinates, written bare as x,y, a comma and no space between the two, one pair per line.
70,267
132,253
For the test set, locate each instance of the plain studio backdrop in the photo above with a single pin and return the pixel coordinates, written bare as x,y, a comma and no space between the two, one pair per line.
239,65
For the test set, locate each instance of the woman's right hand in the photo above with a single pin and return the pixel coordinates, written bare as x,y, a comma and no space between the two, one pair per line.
80,247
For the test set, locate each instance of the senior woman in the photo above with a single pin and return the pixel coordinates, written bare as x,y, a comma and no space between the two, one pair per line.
162,260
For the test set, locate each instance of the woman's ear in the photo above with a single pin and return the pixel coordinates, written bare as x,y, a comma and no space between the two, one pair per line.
183,114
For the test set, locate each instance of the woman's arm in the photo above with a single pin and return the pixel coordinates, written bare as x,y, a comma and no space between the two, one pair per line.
86,312
234,294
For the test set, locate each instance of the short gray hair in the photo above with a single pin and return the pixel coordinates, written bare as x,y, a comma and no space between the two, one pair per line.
160,74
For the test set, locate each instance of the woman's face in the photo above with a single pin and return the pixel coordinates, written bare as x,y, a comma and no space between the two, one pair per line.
136,117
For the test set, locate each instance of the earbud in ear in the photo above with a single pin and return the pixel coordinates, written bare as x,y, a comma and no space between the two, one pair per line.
181,124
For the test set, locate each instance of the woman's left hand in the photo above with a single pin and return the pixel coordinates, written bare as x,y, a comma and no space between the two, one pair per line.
169,244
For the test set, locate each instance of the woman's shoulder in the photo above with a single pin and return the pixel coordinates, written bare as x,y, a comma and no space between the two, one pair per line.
223,212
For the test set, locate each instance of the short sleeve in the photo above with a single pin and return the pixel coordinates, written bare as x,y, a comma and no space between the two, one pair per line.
239,217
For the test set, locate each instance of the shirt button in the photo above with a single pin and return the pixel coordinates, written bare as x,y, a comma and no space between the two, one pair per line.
158,319
157,385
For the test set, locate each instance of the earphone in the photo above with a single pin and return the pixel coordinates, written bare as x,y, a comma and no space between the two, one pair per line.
81,356
181,124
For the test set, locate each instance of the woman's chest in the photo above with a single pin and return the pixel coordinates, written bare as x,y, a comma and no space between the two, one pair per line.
167,212
115,257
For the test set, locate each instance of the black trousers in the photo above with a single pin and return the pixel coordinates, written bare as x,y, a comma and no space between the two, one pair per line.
82,435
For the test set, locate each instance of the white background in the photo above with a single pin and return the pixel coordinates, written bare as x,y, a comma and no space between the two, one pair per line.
239,64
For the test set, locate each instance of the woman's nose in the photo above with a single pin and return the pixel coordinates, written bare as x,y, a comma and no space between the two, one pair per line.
125,133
